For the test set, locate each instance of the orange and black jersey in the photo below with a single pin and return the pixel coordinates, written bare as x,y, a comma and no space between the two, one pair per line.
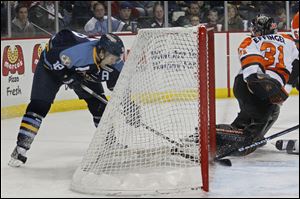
272,54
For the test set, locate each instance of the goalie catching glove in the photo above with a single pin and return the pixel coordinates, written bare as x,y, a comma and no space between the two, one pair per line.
266,88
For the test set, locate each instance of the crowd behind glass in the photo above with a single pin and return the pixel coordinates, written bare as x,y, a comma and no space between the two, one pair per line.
40,18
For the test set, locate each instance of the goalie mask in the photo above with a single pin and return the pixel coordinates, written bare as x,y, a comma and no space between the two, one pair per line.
263,25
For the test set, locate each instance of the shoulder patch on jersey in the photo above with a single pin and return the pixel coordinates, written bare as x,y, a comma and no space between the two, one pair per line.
246,42
286,36
66,60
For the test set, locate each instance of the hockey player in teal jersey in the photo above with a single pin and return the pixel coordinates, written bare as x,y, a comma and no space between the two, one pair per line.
74,59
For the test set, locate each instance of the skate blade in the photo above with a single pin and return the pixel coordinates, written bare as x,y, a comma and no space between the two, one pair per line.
15,163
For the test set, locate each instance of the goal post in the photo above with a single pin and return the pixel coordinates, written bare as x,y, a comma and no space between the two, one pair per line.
158,130
206,89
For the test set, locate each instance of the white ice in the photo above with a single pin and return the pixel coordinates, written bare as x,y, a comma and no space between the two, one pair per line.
64,137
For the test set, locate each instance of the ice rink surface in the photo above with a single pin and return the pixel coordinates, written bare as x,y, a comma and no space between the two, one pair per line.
64,137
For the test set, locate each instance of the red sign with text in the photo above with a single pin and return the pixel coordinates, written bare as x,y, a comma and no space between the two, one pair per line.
13,60
37,50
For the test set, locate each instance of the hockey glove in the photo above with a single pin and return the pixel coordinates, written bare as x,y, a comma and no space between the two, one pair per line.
266,88
73,81
294,77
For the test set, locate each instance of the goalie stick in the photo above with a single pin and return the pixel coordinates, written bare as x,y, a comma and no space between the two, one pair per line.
174,151
259,143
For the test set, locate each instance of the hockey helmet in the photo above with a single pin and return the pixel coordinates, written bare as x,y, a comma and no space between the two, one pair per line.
263,25
112,44
295,27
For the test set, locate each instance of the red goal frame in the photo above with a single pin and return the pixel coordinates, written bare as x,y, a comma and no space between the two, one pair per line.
207,110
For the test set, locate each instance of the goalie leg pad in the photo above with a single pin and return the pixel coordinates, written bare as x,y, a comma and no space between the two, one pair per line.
229,137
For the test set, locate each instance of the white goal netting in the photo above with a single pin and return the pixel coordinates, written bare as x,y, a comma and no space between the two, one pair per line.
140,143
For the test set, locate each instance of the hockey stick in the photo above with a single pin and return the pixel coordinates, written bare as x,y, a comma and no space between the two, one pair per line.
174,150
259,143
90,91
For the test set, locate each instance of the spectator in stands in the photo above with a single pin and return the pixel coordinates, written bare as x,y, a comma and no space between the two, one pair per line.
213,19
158,18
82,12
177,6
63,15
145,8
98,25
203,10
125,15
193,10
269,7
49,5
39,16
183,21
280,19
217,5
195,20
65,8
116,7
92,3
247,10
235,22
21,27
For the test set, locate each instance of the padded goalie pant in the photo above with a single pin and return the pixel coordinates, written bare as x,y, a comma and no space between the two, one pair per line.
253,110
256,116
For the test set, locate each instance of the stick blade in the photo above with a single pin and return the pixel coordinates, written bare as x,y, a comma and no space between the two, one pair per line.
223,162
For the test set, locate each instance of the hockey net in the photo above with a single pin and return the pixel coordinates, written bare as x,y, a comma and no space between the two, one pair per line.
163,102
